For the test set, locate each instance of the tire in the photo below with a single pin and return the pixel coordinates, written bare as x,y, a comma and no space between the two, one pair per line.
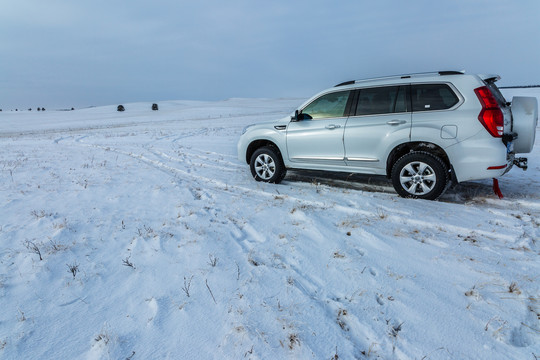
525,120
267,165
420,175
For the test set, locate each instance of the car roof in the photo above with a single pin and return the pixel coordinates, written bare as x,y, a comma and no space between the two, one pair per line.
441,76
402,77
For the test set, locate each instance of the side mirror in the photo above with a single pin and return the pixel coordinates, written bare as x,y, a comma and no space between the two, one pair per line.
294,118
298,116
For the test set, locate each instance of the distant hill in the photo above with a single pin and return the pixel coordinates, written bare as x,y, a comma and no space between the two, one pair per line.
519,87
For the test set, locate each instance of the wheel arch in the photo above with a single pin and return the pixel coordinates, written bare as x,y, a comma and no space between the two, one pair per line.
257,144
406,148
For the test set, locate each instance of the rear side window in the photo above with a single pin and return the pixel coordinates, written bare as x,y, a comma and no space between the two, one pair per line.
328,106
429,97
381,100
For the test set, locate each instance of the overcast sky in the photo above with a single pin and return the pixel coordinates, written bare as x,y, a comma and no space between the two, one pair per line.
63,53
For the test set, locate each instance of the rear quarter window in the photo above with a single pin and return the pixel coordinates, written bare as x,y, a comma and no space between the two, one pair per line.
430,97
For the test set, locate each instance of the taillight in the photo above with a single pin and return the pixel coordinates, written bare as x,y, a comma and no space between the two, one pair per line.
491,115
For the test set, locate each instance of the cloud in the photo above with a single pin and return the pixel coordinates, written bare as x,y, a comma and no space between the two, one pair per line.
101,51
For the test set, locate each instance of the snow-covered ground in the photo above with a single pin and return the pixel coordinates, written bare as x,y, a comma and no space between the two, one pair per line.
139,235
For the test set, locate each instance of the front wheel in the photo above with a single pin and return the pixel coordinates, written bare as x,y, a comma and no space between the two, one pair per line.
266,165
420,175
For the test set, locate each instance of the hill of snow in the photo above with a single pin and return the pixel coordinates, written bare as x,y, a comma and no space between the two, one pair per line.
139,235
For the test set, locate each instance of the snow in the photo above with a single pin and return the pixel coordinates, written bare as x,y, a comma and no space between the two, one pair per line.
157,243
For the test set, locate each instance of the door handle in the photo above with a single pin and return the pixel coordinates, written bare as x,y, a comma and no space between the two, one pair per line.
396,122
332,126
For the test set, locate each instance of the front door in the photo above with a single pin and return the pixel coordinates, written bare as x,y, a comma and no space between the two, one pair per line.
318,138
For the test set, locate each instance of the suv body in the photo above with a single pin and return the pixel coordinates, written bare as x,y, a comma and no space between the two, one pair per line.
421,130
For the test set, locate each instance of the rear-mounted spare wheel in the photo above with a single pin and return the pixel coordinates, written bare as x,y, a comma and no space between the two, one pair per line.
524,122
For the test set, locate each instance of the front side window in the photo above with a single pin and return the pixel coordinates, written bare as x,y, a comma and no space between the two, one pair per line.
382,100
328,106
429,97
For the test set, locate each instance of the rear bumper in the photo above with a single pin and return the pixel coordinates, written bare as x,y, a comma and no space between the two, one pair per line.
480,158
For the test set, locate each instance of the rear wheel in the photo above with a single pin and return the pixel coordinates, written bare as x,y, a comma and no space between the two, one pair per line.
266,165
420,175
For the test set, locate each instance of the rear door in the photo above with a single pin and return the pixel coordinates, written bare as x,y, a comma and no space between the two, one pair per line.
382,117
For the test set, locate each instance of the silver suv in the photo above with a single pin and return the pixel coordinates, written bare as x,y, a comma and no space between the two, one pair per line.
420,130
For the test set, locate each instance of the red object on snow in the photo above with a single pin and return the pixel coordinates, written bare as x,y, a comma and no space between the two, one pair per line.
496,188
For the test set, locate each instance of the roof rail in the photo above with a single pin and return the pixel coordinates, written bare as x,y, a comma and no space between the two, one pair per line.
346,83
404,76
451,72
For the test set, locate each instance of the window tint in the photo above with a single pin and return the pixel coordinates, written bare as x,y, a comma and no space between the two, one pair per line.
382,100
328,106
401,100
428,97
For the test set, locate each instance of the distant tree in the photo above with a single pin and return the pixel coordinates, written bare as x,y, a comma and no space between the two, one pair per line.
72,109
16,109
30,109
120,108
154,107
42,109
38,109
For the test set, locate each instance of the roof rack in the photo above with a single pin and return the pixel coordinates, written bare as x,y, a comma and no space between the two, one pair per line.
451,72
404,76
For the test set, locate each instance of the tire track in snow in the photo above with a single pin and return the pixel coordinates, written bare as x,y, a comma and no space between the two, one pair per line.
313,290
225,187
187,158
205,152
197,180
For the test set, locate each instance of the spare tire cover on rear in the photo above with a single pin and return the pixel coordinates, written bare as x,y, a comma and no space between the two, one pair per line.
524,121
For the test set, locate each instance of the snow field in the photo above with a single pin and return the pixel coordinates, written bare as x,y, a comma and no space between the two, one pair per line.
157,243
